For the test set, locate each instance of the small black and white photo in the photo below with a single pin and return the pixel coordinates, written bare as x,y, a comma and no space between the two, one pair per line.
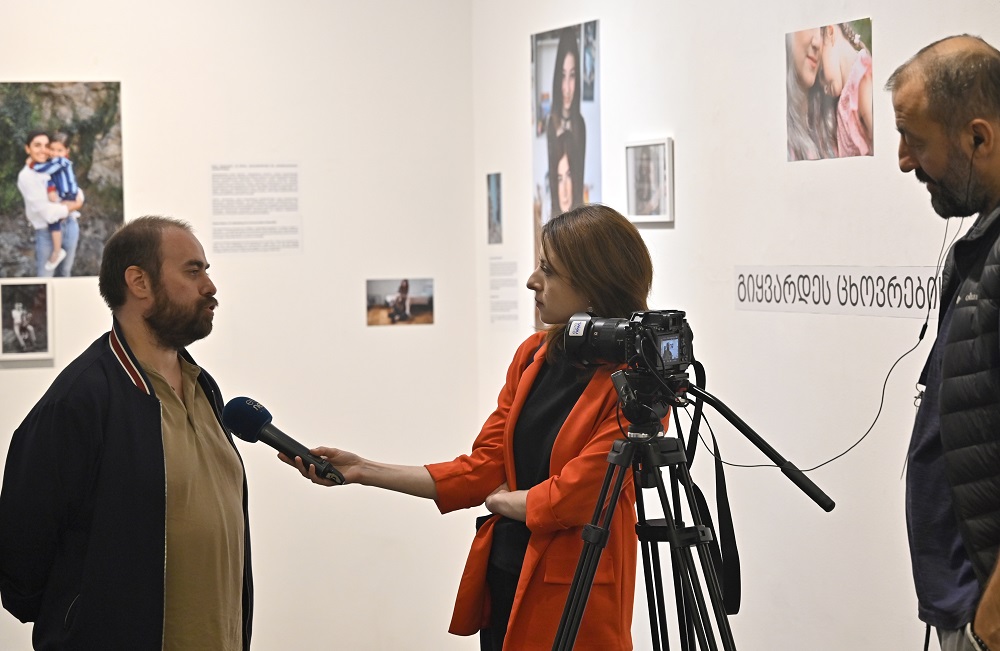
26,319
649,180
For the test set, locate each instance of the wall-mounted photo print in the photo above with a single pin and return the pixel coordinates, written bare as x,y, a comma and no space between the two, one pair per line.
566,120
26,322
829,91
649,178
400,301
589,59
495,223
60,176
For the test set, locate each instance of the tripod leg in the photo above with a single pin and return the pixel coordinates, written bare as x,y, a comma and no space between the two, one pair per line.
694,620
709,570
700,614
685,620
651,569
595,536
702,622
691,610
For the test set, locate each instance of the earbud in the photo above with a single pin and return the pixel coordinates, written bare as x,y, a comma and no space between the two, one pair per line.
976,141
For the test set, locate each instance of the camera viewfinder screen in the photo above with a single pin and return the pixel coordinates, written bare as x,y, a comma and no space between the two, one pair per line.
670,349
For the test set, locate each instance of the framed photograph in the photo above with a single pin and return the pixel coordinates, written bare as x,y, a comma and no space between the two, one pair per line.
649,173
26,322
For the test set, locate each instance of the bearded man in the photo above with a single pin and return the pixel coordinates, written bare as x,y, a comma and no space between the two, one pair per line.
947,104
123,513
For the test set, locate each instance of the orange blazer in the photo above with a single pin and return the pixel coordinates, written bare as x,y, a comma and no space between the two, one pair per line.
558,508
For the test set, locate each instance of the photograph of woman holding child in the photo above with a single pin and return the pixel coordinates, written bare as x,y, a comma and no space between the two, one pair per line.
60,176
54,218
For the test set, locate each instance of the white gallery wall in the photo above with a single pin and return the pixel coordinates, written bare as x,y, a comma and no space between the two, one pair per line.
711,76
374,102
395,112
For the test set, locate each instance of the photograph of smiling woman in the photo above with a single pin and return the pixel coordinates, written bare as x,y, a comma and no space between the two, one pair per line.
828,82
566,81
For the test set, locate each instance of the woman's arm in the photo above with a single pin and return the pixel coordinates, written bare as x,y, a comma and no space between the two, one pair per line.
865,106
74,204
34,190
508,503
412,480
580,460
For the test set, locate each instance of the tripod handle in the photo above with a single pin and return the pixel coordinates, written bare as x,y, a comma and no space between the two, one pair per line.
808,487
787,467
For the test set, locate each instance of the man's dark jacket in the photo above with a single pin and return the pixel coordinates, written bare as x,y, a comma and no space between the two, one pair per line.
970,389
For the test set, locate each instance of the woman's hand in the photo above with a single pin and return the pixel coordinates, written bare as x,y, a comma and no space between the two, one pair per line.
412,480
74,204
508,503
348,463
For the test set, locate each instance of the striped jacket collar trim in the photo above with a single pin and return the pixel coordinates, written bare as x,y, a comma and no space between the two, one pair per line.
128,363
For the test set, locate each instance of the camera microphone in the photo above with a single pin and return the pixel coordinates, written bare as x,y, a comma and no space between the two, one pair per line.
251,421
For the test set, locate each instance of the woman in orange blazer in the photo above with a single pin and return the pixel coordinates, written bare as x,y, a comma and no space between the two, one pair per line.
541,457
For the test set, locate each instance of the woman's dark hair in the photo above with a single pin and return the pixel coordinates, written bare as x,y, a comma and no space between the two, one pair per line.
811,115
135,243
34,134
565,145
603,256
567,45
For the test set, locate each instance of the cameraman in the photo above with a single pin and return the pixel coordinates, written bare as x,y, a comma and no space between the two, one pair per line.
540,458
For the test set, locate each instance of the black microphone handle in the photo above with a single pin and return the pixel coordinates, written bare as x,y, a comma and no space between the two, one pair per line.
291,448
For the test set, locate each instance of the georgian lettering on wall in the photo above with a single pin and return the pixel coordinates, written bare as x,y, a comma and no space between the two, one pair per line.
865,291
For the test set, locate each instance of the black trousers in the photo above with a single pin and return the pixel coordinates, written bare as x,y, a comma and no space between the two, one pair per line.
502,587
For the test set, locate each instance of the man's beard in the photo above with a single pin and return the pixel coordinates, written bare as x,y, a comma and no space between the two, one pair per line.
175,326
957,193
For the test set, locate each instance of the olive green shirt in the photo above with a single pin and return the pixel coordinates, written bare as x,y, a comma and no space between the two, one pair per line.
204,546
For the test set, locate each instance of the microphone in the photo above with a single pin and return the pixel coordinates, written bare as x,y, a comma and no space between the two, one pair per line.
251,421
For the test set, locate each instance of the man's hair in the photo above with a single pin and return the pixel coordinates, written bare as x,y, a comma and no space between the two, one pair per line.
34,134
960,85
135,243
602,255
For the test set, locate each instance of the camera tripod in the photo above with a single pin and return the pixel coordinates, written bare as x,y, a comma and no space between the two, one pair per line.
643,452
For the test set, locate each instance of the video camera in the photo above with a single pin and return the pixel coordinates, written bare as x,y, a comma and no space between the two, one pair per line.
657,341
655,346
